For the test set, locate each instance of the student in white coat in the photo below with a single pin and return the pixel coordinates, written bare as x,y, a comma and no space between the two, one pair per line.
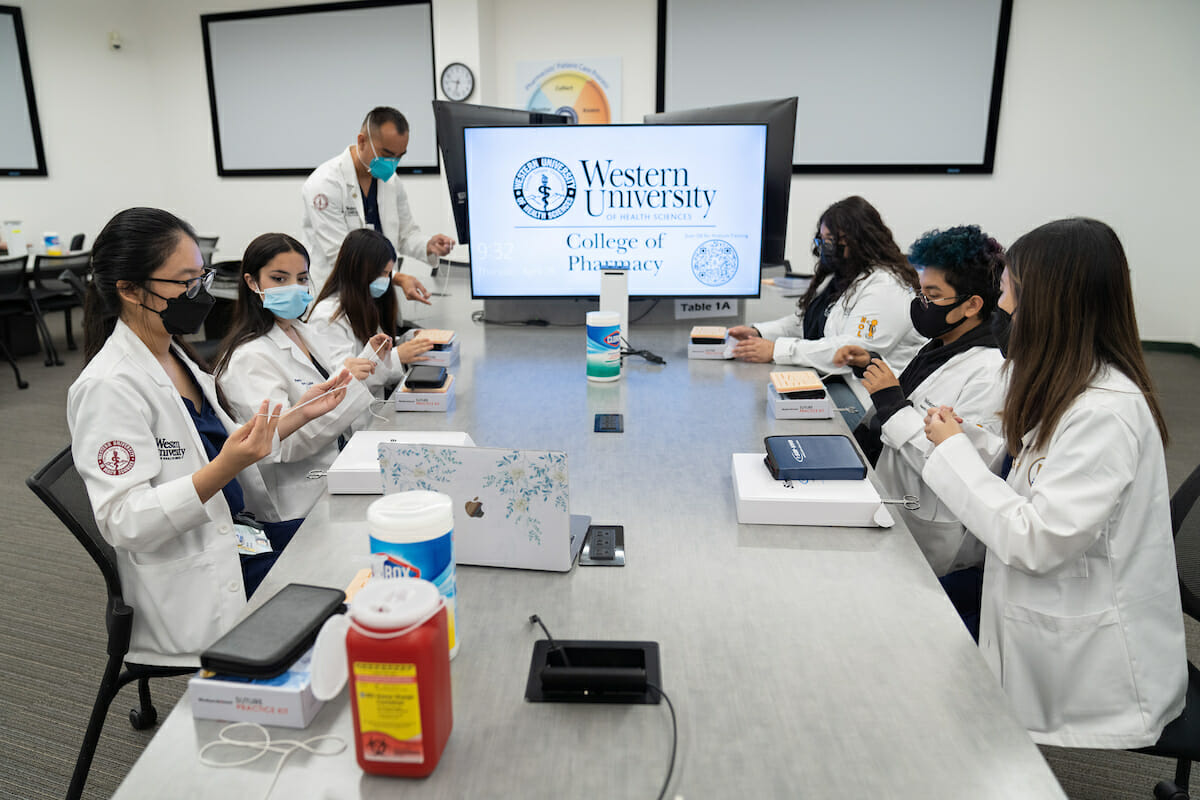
959,367
357,189
356,305
270,353
859,295
1081,617
167,470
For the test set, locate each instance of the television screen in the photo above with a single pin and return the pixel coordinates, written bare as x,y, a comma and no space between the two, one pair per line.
451,118
780,118
680,207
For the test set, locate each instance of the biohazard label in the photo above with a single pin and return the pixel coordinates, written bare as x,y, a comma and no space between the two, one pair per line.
115,458
389,712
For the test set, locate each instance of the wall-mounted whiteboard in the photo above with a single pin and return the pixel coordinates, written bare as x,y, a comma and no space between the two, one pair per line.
289,87
884,86
21,150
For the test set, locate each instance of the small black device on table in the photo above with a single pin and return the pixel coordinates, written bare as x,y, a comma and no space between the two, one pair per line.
609,423
277,633
423,376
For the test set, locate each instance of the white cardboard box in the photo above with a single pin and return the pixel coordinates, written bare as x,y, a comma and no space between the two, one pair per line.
785,408
442,358
762,500
356,469
286,700
409,400
709,351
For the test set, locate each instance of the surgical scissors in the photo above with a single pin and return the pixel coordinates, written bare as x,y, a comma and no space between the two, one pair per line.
910,501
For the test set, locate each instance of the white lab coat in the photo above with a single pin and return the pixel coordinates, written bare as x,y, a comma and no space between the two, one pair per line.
970,382
177,557
273,366
333,206
873,313
1081,617
338,340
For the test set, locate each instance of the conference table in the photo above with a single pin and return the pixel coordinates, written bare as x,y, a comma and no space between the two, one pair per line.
801,661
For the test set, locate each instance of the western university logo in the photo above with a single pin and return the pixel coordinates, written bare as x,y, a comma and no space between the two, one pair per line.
115,458
544,188
1035,469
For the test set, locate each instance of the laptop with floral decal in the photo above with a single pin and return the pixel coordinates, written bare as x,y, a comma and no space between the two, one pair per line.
511,507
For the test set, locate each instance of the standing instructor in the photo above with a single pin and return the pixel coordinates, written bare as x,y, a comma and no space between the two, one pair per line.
356,190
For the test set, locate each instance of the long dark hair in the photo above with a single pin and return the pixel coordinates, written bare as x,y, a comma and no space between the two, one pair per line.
855,223
364,254
250,319
133,244
1074,316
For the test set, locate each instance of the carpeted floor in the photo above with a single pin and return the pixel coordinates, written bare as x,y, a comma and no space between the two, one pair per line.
52,634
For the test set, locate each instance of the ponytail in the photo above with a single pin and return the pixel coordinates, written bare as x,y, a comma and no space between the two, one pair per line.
99,321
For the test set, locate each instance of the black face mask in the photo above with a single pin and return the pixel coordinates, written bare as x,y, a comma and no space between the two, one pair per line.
1002,329
830,255
930,321
183,315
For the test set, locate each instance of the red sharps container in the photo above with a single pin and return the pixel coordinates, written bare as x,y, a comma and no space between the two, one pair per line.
397,652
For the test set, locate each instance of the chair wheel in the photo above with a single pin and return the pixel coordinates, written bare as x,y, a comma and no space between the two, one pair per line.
140,721
1166,790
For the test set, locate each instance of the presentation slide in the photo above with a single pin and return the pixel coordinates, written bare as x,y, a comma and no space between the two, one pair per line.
680,207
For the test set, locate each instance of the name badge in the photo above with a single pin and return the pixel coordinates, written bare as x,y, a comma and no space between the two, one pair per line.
251,541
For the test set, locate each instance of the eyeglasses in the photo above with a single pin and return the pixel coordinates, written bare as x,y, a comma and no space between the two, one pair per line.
927,301
204,279
818,243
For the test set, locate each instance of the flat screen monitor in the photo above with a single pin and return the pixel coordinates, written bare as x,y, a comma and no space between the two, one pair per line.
780,118
677,206
450,119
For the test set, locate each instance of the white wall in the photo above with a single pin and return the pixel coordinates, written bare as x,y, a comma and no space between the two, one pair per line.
1101,117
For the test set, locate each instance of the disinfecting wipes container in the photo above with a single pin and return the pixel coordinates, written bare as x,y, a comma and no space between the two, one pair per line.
412,536
603,345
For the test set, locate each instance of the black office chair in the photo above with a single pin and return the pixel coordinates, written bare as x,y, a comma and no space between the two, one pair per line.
14,301
220,317
1181,739
208,245
77,242
228,270
48,292
60,487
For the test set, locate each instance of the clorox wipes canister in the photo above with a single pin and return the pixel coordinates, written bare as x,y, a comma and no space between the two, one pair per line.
603,345
412,536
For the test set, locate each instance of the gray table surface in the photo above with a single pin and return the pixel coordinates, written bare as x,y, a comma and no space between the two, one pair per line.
802,661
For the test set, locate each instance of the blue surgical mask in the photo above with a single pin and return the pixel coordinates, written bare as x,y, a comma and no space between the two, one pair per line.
286,302
381,168
379,286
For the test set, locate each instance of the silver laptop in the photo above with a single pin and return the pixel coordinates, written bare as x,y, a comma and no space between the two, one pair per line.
511,507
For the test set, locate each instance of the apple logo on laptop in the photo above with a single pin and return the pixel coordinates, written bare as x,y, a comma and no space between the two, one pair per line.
474,508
